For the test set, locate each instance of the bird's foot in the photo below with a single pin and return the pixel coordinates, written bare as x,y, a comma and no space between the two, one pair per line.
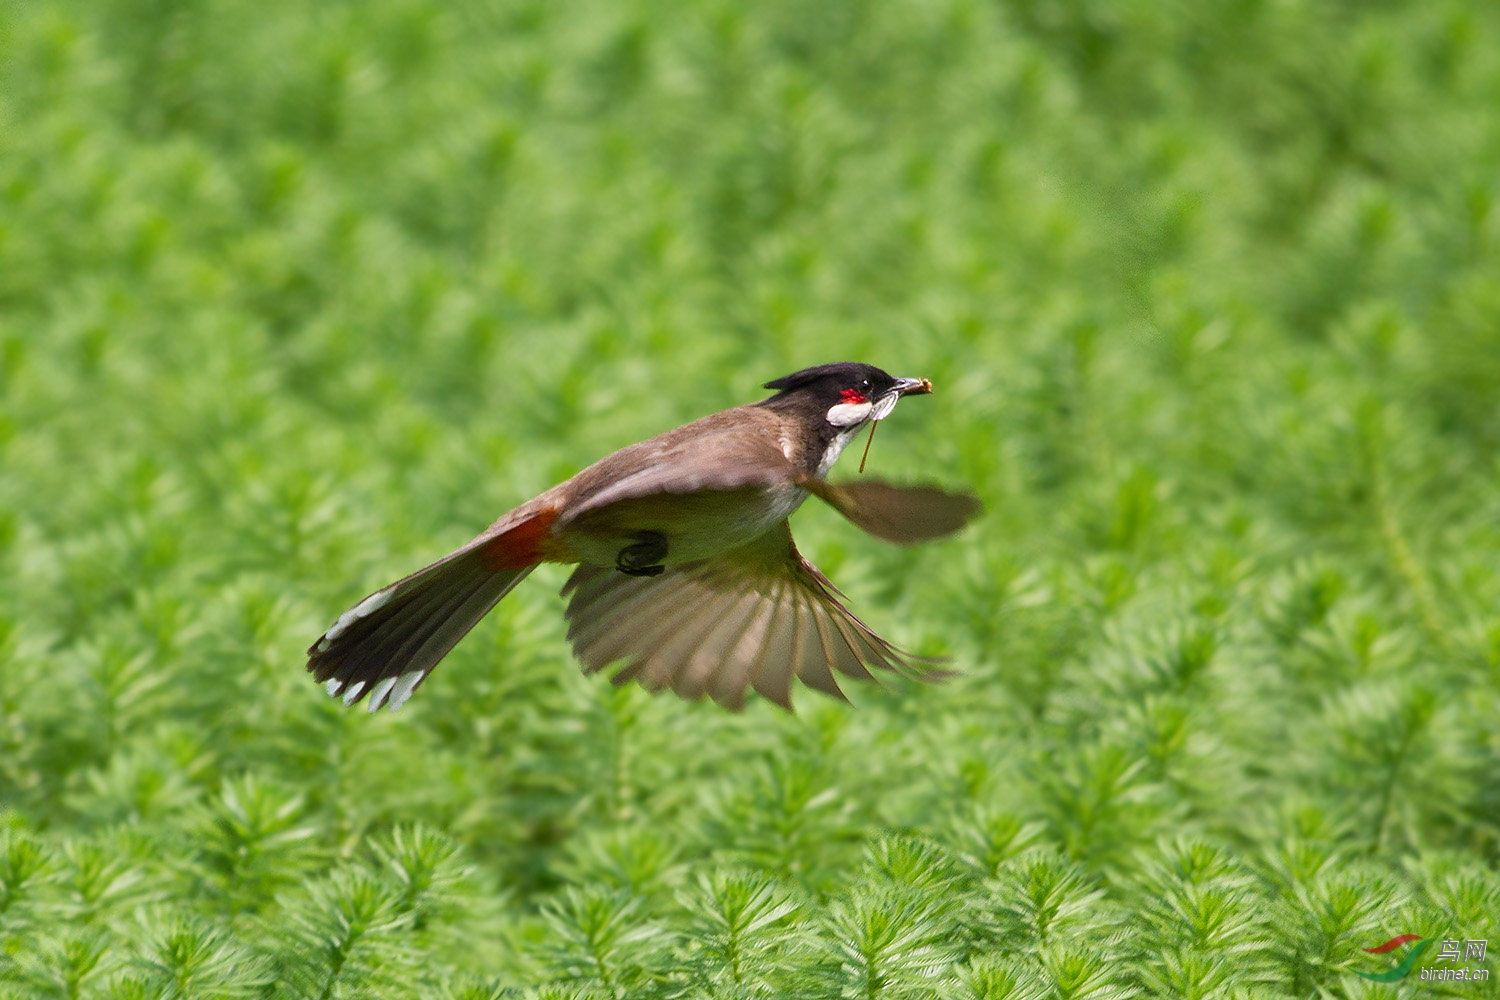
645,556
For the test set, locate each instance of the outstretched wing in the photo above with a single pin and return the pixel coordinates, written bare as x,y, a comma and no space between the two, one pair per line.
755,616
722,453
902,514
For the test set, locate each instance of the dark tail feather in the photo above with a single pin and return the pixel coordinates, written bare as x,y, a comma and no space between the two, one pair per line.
387,644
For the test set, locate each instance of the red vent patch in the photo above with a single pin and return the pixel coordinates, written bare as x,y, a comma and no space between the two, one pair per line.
523,545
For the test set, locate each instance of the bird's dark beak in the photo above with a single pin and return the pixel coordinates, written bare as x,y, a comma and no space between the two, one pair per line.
903,387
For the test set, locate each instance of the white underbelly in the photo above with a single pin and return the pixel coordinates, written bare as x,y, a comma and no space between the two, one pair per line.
696,525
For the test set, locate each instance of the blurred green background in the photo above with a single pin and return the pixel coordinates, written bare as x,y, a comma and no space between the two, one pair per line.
295,297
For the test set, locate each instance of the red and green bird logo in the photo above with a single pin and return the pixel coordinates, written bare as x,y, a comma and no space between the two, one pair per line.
1404,966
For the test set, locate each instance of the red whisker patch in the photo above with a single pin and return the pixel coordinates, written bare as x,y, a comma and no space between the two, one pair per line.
853,396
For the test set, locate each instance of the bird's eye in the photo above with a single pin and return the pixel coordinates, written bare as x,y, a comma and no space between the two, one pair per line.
864,385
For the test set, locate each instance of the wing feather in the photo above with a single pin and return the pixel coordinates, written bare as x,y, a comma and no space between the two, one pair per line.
815,650
847,648
901,514
605,637
702,613
771,675
713,454
728,685
714,648
609,602
645,649
752,617
874,650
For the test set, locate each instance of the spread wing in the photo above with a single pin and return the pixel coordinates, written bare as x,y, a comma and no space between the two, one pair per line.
726,452
755,616
902,514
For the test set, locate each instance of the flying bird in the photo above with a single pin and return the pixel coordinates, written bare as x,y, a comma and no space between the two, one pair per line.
687,577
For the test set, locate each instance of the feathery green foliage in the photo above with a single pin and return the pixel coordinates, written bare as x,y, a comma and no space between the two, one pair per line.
295,297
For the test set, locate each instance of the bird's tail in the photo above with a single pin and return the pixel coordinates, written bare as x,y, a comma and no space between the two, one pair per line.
388,643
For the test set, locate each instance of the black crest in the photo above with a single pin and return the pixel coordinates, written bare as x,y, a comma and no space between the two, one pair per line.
832,379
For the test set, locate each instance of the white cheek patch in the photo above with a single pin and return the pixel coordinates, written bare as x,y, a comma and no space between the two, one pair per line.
849,414
884,405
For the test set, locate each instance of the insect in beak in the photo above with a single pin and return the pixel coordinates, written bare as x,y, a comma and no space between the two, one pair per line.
887,403
868,440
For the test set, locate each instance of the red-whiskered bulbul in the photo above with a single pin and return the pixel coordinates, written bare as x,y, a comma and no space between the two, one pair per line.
687,575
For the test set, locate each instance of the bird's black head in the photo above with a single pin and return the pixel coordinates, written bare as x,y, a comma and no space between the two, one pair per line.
846,393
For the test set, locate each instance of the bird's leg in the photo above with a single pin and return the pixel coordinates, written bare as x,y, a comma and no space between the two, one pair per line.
645,556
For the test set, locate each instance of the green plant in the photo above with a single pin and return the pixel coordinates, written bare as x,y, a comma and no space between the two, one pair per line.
294,297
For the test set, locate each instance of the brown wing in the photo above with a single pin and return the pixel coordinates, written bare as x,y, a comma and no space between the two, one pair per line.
902,514
755,616
725,452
